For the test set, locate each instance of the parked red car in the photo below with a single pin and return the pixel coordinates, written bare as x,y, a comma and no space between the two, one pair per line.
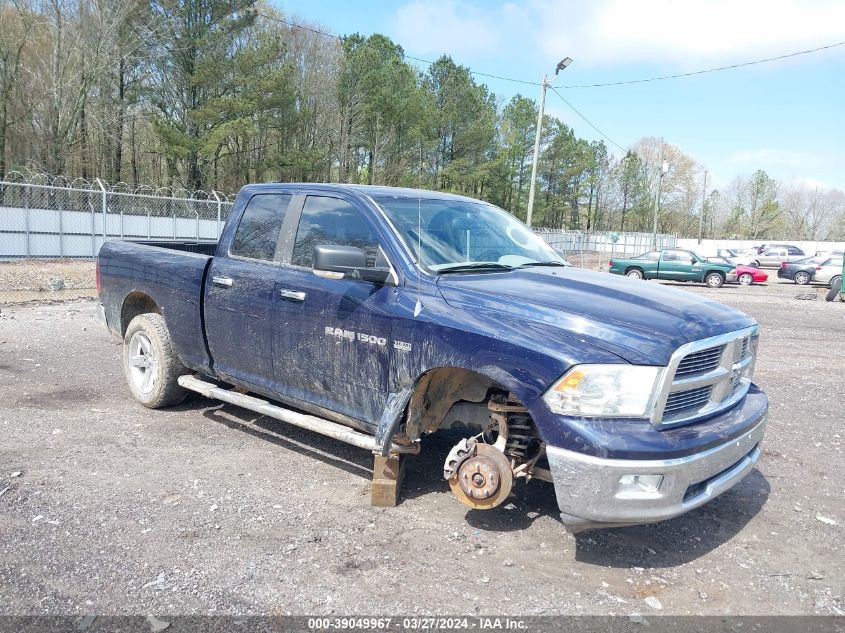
747,275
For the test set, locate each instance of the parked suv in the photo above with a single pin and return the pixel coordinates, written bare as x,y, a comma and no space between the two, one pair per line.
776,254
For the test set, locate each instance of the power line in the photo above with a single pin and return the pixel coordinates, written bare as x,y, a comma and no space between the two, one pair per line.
599,85
590,123
709,70
428,62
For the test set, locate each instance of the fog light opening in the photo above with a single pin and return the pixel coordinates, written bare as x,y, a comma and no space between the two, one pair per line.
639,485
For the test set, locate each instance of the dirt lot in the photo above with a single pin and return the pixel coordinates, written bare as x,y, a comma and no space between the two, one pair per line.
108,508
46,280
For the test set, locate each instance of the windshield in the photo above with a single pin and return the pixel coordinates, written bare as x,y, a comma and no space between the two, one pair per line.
464,234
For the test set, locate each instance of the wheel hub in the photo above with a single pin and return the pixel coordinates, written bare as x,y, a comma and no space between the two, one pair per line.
478,478
483,480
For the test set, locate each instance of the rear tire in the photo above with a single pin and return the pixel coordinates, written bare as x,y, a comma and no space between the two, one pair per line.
835,288
801,278
150,363
634,273
746,279
714,280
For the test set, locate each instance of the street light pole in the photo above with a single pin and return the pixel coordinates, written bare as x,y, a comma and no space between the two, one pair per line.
663,166
536,151
562,64
701,215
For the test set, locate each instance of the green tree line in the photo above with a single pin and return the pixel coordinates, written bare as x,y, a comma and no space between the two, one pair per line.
212,94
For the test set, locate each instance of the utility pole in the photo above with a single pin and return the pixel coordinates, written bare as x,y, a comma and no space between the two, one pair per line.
663,168
562,64
536,151
701,215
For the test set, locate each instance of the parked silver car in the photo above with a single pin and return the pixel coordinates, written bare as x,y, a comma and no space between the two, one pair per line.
828,270
775,255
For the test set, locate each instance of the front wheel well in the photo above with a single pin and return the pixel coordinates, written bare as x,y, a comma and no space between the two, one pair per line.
438,391
134,304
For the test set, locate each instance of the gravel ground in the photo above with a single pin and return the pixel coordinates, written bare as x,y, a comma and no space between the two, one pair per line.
108,508
46,280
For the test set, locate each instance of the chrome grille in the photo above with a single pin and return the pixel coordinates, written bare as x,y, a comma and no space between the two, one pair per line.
700,362
705,377
684,400
746,346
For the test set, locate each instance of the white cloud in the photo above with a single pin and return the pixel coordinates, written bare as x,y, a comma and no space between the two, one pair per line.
692,30
451,27
781,158
683,33
810,183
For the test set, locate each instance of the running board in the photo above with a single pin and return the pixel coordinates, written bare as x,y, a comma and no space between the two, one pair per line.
305,421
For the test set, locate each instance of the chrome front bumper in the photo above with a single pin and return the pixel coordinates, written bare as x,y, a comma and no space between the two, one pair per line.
589,493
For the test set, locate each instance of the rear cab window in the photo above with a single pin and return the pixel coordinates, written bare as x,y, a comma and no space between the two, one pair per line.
258,231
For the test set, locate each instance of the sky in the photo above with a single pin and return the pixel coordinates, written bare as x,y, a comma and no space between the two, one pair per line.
786,117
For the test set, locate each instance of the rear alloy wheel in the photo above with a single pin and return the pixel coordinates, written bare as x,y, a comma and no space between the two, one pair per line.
745,279
151,365
801,278
714,280
634,273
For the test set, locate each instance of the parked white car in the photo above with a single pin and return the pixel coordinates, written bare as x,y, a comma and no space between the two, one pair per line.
737,257
828,270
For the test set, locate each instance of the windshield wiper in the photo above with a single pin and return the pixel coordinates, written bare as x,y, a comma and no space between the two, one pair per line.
473,267
549,263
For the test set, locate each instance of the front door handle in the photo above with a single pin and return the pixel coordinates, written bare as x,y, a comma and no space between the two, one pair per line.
293,295
226,282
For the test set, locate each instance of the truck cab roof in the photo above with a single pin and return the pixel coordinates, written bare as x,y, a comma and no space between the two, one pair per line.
373,191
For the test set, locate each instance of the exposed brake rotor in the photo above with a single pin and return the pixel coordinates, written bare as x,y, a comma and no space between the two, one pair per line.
484,479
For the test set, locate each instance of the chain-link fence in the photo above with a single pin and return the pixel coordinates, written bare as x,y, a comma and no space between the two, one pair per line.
593,250
51,229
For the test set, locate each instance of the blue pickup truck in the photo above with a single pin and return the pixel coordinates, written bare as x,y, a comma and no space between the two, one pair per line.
379,315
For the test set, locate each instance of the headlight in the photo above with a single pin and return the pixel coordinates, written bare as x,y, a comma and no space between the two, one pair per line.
619,391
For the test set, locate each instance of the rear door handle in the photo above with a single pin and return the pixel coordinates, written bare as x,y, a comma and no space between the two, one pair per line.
226,282
293,295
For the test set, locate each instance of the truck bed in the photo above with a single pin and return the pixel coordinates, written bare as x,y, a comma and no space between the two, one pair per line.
172,278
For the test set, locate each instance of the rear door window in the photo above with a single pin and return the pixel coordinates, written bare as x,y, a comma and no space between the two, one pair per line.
258,230
332,221
676,256
652,256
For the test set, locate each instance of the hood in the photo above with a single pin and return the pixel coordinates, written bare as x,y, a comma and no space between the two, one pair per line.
640,321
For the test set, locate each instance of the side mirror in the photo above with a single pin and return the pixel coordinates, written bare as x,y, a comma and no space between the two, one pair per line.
347,262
